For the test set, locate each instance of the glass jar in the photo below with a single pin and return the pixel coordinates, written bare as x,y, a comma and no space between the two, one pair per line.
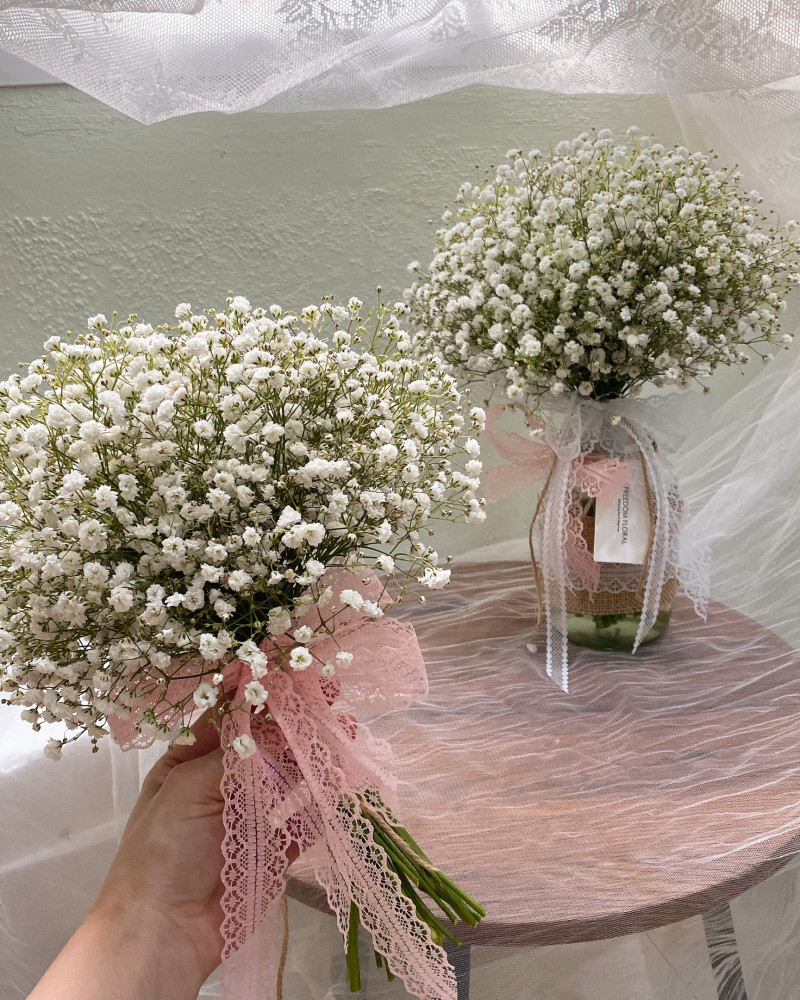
615,633
608,617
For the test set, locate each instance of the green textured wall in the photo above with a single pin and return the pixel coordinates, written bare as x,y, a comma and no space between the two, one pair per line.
99,212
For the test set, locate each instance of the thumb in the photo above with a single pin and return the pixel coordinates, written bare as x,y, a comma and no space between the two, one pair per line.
197,782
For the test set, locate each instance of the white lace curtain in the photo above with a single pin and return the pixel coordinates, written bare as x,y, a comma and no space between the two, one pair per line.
732,66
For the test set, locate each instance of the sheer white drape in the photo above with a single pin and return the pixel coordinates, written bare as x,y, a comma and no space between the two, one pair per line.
732,65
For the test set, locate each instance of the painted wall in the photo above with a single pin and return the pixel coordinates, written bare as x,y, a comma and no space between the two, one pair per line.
98,212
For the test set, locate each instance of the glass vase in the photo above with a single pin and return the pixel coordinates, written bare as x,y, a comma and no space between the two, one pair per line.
608,618
614,633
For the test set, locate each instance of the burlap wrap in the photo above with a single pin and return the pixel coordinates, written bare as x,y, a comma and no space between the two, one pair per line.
606,600
611,602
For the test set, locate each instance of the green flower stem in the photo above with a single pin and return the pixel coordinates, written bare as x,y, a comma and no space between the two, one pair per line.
479,911
424,913
353,964
416,874
381,962
394,855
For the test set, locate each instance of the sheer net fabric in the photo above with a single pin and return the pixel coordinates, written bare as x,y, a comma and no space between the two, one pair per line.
637,836
188,55
593,446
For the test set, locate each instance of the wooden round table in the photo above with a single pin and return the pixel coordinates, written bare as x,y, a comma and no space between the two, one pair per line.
661,786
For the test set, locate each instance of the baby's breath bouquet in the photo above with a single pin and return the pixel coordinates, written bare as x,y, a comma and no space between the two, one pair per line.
206,516
602,267
570,281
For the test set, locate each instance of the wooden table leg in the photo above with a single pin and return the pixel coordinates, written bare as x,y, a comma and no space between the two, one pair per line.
723,952
459,956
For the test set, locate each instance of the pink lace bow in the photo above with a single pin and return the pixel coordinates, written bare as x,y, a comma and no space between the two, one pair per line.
312,759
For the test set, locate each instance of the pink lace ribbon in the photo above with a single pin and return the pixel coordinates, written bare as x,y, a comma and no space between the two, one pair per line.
312,759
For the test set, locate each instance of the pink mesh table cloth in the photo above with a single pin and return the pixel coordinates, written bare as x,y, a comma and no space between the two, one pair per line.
663,785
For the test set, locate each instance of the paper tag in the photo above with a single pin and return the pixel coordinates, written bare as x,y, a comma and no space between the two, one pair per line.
622,527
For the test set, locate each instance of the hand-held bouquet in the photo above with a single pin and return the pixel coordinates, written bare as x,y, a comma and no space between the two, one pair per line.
573,280
194,517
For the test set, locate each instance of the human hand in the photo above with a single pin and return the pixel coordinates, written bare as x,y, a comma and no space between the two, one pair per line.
153,932
169,862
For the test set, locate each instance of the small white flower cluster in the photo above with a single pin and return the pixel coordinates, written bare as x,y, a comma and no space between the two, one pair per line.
171,496
602,267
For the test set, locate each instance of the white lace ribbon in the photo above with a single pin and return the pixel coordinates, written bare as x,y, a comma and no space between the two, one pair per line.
573,427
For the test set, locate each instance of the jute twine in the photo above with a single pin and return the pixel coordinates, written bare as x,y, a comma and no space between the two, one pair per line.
600,602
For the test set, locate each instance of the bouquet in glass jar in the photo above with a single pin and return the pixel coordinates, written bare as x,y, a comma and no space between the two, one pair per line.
205,516
570,282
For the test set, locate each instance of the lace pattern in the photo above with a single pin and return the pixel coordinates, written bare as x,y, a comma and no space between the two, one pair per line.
573,431
301,786
313,760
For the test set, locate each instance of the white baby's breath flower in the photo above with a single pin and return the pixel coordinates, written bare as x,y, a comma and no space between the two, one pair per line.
259,664
352,598
203,428
314,568
247,651
173,484
313,533
128,486
385,563
384,532
288,517
279,621
205,695
255,693
92,535
272,432
121,598
418,386
250,536
96,574
387,453
244,746
300,658
239,580
435,579
72,482
209,646
105,498
514,291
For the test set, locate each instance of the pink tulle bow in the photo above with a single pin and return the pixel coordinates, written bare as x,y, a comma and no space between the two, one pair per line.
529,459
311,761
